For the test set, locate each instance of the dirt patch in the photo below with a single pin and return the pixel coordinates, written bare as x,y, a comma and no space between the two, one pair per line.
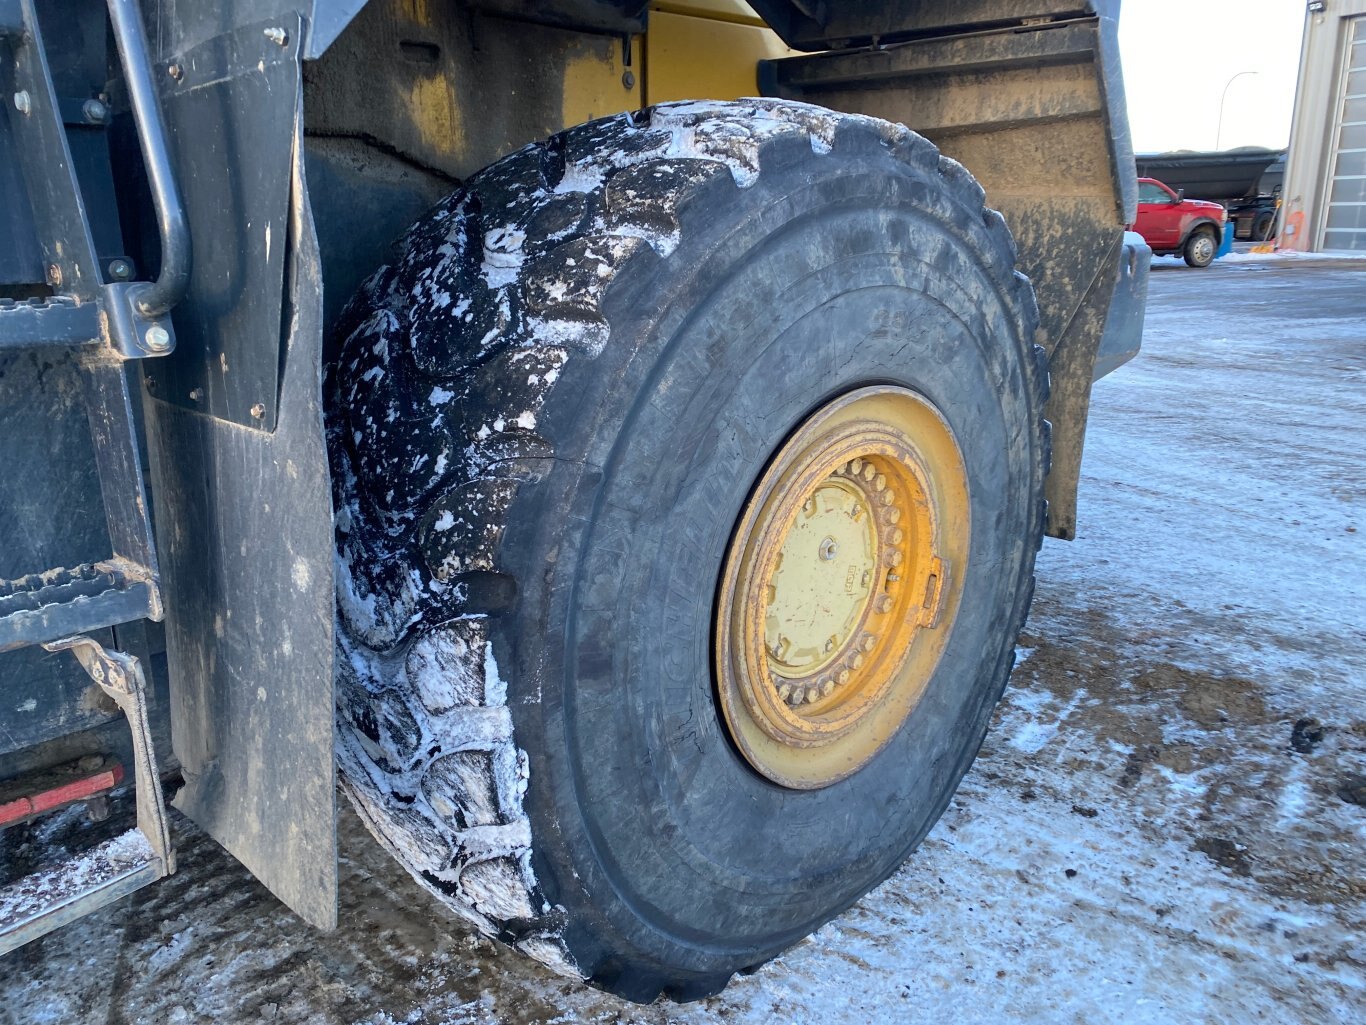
1226,853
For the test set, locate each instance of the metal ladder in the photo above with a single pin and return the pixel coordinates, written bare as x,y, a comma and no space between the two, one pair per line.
103,325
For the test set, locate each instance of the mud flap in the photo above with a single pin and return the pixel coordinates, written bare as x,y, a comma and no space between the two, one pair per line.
244,523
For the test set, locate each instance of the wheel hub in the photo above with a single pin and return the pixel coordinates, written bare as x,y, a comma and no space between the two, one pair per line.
838,591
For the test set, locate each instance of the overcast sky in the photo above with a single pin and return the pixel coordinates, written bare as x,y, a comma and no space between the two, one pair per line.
1178,56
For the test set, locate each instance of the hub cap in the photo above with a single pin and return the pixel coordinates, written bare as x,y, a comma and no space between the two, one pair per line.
839,587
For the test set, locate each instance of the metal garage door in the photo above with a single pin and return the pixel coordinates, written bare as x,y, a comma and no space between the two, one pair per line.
1345,225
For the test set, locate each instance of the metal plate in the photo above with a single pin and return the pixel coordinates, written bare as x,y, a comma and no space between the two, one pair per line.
236,94
244,526
841,24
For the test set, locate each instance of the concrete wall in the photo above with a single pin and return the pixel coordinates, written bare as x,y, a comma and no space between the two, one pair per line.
1317,102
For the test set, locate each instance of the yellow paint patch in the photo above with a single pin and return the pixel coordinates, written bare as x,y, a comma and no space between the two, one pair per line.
705,58
433,108
598,81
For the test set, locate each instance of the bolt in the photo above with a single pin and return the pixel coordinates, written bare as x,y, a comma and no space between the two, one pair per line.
97,808
120,269
827,688
884,604
175,71
628,79
258,411
23,103
830,645
828,549
158,339
197,394
95,112
151,383
54,275
278,36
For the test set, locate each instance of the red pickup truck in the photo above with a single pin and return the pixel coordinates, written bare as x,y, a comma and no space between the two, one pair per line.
1172,224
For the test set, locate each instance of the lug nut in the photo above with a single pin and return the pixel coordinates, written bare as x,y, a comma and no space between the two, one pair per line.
158,339
23,103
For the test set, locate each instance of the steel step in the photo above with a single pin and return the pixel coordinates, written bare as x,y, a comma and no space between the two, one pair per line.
46,900
49,899
44,606
55,321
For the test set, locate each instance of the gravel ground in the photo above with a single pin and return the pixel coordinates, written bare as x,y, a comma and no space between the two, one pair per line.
1166,823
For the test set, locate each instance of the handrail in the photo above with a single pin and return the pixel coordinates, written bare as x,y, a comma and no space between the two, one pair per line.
157,298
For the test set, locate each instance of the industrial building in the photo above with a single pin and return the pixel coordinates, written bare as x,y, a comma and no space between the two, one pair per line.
1325,186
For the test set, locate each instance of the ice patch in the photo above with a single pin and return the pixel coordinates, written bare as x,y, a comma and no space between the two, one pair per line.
1034,734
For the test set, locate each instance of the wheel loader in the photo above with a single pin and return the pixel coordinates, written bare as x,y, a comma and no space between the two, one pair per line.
606,441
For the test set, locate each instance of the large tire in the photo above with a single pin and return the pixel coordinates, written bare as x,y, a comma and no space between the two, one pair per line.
1200,249
545,421
1263,225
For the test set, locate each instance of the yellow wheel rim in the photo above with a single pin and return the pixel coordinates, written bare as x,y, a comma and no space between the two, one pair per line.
841,585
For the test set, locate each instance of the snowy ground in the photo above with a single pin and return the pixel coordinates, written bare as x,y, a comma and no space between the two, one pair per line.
1147,837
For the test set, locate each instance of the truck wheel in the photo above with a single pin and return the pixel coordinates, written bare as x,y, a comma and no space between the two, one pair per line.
1201,247
1262,225
689,482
